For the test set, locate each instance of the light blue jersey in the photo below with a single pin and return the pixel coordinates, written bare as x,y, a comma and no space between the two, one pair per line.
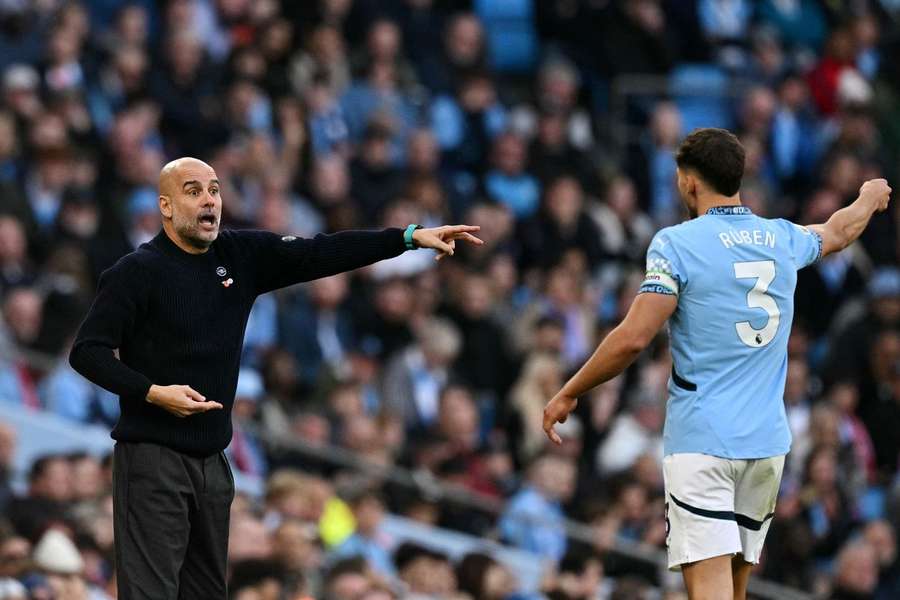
734,274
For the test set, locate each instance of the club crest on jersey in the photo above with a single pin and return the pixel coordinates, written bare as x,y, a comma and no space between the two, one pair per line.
221,271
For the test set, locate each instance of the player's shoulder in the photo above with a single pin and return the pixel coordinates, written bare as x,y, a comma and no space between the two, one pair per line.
673,234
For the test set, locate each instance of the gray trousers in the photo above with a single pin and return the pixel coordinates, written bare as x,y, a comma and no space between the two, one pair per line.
170,513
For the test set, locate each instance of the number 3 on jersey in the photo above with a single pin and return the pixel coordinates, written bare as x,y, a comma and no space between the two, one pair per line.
764,272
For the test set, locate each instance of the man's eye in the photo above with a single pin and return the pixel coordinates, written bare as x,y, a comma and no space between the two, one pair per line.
214,191
194,192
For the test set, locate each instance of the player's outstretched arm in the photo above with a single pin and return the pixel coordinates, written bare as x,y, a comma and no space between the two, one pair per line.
847,224
646,316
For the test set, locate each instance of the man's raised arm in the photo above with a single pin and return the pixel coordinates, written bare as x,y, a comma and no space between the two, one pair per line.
848,223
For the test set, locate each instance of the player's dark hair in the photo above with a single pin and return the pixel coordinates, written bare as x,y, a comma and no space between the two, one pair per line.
716,155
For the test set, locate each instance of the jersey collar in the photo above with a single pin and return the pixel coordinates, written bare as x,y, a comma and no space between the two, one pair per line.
729,210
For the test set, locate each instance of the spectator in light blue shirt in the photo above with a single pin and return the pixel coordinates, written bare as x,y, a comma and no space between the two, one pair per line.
793,131
70,395
464,125
508,182
368,541
534,520
379,98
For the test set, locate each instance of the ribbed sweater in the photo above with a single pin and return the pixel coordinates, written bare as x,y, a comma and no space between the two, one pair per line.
178,319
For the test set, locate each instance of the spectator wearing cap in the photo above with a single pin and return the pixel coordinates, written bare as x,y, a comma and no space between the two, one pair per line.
57,559
246,451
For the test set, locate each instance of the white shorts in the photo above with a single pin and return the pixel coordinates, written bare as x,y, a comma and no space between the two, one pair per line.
717,506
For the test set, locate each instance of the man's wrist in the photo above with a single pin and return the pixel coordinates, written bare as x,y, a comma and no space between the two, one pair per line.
408,236
151,394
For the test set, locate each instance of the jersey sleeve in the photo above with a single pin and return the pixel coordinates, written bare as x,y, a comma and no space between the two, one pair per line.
806,244
665,273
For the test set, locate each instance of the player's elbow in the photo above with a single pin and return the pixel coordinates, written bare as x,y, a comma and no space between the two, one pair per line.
635,340
76,357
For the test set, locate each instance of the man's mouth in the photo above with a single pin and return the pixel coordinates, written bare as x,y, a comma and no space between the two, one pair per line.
208,222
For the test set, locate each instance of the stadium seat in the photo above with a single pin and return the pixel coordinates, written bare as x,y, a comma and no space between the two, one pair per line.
512,40
702,94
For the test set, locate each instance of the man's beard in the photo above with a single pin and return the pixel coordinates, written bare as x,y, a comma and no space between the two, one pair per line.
190,233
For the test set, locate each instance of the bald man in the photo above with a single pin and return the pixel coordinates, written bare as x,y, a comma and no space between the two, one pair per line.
175,310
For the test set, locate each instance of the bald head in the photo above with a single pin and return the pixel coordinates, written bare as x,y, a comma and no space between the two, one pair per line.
172,173
190,203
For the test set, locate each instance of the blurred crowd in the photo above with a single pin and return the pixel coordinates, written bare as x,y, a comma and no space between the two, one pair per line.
549,123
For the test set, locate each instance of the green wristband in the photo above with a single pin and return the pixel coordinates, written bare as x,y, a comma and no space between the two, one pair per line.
407,236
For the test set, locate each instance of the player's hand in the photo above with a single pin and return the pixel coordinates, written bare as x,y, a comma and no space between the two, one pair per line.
443,239
180,400
878,192
557,411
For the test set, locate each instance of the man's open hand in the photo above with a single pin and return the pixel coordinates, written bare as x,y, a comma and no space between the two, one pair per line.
557,411
180,400
443,239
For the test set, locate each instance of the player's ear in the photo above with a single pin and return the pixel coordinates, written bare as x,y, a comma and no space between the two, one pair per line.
165,206
691,184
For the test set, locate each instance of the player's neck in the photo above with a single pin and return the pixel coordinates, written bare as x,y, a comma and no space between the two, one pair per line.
708,201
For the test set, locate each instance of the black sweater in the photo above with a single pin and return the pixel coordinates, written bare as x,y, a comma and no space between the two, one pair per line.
179,318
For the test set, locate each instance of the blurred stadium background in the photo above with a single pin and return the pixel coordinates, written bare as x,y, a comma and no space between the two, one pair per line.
387,440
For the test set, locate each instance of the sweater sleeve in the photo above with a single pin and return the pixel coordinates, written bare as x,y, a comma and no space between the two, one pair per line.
280,261
110,321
